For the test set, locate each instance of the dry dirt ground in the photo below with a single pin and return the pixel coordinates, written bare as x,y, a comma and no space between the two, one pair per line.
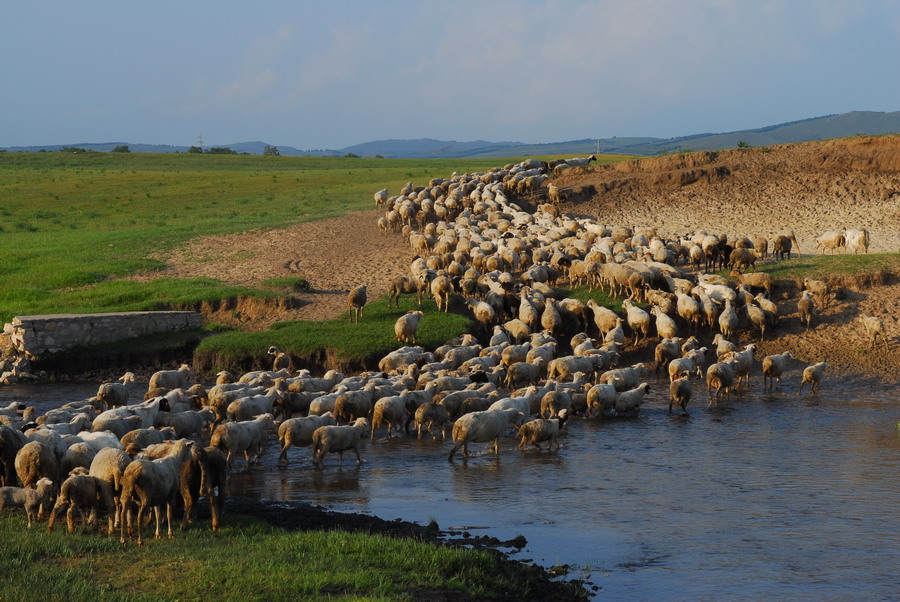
807,188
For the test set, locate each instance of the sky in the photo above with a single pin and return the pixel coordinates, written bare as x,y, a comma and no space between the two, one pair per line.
330,74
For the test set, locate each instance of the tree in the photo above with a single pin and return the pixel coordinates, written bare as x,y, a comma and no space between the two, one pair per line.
271,151
743,144
72,149
195,150
221,150
121,148
351,156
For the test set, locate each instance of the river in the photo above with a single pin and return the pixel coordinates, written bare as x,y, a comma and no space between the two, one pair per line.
767,496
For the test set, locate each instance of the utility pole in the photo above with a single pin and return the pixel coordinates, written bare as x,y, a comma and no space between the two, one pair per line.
200,140
597,146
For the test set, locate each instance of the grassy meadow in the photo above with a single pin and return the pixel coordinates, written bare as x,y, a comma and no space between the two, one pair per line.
246,560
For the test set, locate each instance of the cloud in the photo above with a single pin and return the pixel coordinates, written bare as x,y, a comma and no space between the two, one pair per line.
339,62
256,74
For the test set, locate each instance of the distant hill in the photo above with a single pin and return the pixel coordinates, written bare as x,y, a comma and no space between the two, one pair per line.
815,128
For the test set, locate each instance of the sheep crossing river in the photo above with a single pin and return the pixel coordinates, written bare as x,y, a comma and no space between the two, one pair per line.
766,496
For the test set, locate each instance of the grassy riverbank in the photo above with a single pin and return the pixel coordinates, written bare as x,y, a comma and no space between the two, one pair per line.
250,559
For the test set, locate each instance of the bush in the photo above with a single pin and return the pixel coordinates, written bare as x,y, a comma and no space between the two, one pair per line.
271,151
121,148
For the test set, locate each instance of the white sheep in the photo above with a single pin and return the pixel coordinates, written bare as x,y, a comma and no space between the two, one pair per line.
728,320
330,439
78,455
857,239
153,483
245,408
299,431
138,439
357,299
243,437
743,362
171,379
831,240
109,466
628,403
482,427
100,439
431,415
680,392
391,411
813,375
874,328
406,326
720,376
806,307
115,394
666,327
82,493
31,500
623,378
601,399
773,366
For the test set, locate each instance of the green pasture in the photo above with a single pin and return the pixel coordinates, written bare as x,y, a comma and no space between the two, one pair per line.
821,266
246,560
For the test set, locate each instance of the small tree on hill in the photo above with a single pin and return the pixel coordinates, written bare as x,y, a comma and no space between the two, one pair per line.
121,148
196,150
743,144
271,151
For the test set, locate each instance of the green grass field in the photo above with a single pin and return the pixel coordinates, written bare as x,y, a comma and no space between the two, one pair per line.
246,560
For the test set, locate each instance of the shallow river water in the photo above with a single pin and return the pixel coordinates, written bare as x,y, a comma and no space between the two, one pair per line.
768,496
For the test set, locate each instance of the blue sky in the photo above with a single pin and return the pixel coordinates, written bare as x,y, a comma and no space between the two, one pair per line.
336,73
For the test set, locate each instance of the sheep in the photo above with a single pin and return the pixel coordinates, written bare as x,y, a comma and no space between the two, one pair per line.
769,309
246,408
100,439
580,161
390,411
680,392
685,366
813,375
743,362
243,437
381,197
109,466
153,483
147,411
758,318
601,399
628,403
857,240
78,455
638,320
187,424
756,280
11,441
299,431
665,326
482,427
330,439
31,500
874,328
216,483
351,405
138,439
441,289
719,376
562,368
773,366
35,461
539,430
280,359
408,285
806,307
831,240
192,481
357,299
723,346
553,403
818,288
171,379
406,326
742,259
781,245
666,350
430,415
604,318
81,493
623,378
115,394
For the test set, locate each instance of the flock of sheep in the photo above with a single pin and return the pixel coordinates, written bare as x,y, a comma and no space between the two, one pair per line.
533,361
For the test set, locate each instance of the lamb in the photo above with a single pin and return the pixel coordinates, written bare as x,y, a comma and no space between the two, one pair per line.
243,437
758,318
79,422
31,500
601,399
299,432
406,326
831,240
806,307
81,493
357,299
857,240
482,427
330,439
153,483
171,379
390,411
638,320
628,403
539,430
115,394
430,415
680,392
666,351
813,375
138,439
109,466
744,362
773,366
874,328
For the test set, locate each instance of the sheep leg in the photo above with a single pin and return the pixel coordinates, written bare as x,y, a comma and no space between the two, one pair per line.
70,519
356,449
170,533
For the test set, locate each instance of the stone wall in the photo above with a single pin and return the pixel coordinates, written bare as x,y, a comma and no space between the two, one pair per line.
52,333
